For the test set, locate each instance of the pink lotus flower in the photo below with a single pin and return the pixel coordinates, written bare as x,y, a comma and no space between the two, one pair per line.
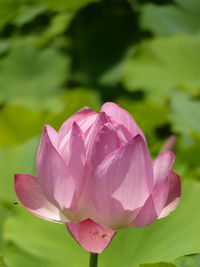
96,176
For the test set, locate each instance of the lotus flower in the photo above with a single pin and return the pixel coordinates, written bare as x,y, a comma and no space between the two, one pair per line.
96,176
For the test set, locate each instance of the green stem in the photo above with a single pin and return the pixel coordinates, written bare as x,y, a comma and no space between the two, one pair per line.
94,260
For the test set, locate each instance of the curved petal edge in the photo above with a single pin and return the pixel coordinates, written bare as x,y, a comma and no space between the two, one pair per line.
91,236
77,117
30,195
55,179
174,194
122,117
162,167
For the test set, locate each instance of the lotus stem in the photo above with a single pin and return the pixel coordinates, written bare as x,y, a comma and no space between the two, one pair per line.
94,260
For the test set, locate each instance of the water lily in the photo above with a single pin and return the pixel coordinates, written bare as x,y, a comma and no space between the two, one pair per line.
96,176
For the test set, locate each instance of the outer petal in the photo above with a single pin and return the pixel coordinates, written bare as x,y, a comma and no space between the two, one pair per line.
125,175
163,201
30,195
150,211
122,117
173,195
162,167
91,236
78,117
170,144
55,178
147,214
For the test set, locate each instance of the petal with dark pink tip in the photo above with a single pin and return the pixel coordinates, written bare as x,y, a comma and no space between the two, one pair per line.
174,194
73,145
105,142
162,167
122,117
91,236
30,195
53,135
78,117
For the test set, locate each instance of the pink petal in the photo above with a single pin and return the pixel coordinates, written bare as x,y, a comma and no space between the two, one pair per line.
79,116
85,126
170,143
160,195
87,123
91,236
162,167
150,211
147,214
163,201
53,135
173,194
105,142
125,175
55,178
72,145
100,121
30,195
100,141
122,117
76,159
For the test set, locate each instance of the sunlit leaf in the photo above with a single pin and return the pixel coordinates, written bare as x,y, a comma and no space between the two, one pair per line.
58,26
29,71
188,261
41,243
159,264
27,13
185,114
2,263
187,156
20,121
17,124
4,46
160,65
185,261
19,159
171,19
8,10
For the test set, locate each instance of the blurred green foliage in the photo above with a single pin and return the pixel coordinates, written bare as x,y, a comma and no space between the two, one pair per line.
58,56
185,261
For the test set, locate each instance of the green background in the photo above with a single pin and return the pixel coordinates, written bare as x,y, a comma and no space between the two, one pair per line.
58,56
